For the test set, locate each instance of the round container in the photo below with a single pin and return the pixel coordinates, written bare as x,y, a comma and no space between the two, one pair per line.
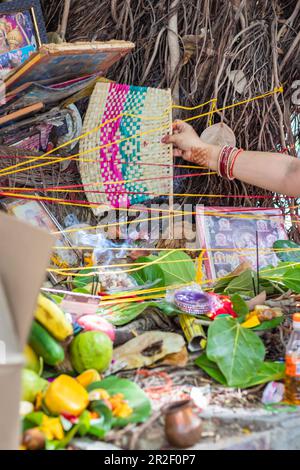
192,302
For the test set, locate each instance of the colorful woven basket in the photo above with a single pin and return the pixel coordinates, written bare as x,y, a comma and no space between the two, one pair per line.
123,162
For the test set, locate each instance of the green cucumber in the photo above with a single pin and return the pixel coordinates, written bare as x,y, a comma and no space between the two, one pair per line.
45,346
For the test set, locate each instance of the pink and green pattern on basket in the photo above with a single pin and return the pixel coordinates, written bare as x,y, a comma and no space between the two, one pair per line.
119,161
131,149
111,169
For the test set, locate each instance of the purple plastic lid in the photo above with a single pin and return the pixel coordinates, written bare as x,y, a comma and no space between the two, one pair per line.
192,297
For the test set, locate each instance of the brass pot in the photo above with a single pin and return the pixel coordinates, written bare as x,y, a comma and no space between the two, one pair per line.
183,427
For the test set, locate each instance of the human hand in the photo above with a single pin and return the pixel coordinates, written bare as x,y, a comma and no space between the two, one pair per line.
187,144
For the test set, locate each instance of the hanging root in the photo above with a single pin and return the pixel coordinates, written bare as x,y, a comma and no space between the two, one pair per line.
259,38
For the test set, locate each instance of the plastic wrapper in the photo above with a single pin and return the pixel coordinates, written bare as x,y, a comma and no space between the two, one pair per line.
273,393
115,280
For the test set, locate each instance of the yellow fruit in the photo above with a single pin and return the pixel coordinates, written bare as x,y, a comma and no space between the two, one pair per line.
66,395
88,377
51,316
31,359
251,322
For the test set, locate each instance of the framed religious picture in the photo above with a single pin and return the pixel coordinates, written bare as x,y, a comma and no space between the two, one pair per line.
229,237
36,213
22,32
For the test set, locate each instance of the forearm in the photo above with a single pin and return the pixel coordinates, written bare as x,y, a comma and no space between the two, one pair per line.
273,171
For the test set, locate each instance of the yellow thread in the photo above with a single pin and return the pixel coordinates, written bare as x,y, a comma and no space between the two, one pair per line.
117,265
138,299
175,212
212,111
155,261
199,274
2,172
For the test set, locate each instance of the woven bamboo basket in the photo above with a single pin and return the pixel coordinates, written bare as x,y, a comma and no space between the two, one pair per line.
123,161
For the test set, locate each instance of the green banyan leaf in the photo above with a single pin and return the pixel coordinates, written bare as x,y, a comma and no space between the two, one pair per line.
242,284
237,351
239,306
178,267
267,372
173,267
274,273
151,273
223,283
245,282
80,428
291,251
291,279
275,276
136,398
104,424
31,420
210,368
269,324
84,423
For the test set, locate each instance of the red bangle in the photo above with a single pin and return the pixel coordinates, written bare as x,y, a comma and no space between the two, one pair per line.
233,161
224,159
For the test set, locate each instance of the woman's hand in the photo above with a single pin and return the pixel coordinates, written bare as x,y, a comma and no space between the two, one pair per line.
188,145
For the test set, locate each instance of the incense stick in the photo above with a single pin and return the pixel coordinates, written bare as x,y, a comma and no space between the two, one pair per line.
257,261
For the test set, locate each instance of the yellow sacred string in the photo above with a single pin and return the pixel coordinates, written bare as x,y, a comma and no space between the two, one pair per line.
108,121
95,129
172,211
214,103
5,171
118,295
139,220
131,270
199,273
117,265
176,213
67,271
172,287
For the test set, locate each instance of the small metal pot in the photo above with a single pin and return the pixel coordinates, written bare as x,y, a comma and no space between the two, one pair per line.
183,427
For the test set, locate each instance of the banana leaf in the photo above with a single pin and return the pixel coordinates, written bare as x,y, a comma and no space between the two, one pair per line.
292,256
82,281
122,314
136,398
237,351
